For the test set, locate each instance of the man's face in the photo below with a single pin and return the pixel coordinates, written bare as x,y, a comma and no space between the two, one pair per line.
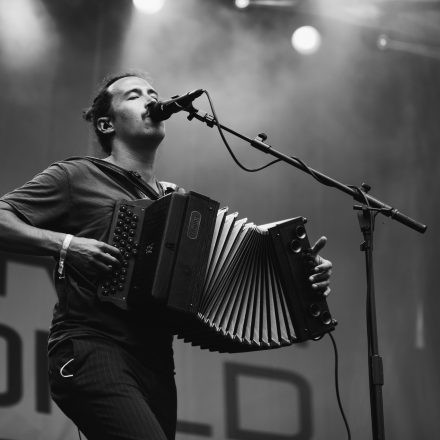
130,117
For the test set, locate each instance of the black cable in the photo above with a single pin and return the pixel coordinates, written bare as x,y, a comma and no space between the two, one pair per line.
220,130
338,396
304,166
318,178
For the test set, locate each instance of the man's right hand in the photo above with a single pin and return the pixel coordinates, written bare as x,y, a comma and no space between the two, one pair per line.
92,257
89,256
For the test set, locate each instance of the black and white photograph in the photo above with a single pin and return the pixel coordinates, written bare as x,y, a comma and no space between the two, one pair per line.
219,219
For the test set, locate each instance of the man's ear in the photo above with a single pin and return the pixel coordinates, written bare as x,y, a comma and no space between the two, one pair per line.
105,125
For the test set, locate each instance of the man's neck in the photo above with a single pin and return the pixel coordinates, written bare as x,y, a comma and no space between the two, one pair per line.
141,162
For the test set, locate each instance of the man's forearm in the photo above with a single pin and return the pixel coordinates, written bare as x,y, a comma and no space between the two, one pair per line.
19,237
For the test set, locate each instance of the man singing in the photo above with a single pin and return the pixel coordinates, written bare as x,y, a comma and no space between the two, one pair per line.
111,371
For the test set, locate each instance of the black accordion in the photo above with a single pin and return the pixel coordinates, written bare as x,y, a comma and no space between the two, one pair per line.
231,286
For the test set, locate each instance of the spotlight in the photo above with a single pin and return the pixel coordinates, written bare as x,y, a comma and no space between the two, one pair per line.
383,42
241,4
149,6
306,40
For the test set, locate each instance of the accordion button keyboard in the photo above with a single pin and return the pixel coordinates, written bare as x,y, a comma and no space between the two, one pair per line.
123,238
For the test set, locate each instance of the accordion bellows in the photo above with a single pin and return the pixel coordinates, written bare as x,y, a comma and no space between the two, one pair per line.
229,285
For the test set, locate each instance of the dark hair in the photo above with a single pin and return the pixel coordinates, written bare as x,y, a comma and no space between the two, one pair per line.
102,106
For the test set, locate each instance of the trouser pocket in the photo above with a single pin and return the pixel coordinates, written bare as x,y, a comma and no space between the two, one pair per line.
62,370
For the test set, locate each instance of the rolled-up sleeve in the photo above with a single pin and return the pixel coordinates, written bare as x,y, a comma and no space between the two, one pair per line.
45,200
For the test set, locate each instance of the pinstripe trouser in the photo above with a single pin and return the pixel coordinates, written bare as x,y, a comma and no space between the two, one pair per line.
109,394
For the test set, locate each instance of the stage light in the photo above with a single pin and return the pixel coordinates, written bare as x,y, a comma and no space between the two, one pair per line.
149,6
306,40
241,4
27,34
383,42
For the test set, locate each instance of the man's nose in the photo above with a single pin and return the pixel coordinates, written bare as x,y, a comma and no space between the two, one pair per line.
150,100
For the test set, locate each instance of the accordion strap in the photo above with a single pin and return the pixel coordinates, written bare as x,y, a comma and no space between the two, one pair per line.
126,178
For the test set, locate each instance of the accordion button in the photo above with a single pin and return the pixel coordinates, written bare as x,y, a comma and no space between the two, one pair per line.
130,213
127,255
135,245
134,252
126,228
120,287
118,231
133,225
315,310
135,218
119,223
124,263
121,215
326,318
131,232
123,271
295,246
105,292
113,290
124,235
123,208
122,278
301,232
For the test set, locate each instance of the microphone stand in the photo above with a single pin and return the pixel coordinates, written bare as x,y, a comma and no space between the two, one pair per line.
369,208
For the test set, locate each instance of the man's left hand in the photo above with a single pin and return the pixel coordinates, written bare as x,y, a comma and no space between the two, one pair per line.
321,268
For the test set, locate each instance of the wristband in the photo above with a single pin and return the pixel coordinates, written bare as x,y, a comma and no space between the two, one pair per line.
63,252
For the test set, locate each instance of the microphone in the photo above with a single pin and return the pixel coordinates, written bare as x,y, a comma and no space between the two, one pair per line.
161,110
